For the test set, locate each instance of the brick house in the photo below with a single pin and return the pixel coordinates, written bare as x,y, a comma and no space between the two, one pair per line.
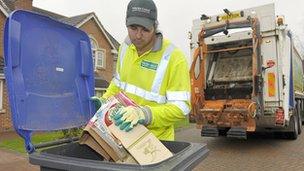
104,48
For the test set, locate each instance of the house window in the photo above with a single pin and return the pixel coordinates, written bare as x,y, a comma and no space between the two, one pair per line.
100,58
99,55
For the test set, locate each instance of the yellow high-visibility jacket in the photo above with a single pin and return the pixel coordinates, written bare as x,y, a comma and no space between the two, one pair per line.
158,79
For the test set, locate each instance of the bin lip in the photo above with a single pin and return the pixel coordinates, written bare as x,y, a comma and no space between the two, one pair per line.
55,156
198,152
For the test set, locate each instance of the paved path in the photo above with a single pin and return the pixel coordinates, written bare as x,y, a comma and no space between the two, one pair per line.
11,160
259,152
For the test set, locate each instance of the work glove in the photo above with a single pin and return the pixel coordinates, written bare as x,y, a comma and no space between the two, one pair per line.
98,101
128,117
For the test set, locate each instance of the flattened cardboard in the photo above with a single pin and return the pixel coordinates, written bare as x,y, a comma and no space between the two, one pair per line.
139,144
89,141
129,160
89,136
91,130
142,144
128,138
149,150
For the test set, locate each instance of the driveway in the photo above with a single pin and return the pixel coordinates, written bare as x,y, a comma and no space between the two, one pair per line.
11,160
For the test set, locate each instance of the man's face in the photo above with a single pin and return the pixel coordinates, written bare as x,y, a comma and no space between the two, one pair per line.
141,37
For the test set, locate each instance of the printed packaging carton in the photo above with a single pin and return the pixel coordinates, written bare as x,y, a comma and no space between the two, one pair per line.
136,146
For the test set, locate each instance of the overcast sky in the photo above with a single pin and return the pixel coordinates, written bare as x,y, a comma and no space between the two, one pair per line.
175,16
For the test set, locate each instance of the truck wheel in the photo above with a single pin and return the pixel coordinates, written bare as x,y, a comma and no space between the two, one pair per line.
299,122
294,127
299,125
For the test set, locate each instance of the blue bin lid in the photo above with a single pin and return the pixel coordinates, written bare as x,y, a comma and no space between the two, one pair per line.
49,74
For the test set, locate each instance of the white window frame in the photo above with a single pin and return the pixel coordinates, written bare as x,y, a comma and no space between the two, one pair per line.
96,51
102,59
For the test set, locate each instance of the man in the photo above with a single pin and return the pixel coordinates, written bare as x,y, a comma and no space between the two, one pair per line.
152,72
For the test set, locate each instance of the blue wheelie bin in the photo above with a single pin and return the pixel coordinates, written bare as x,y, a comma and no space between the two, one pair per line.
49,76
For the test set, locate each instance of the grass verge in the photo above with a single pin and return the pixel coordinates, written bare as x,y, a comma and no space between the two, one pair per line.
17,144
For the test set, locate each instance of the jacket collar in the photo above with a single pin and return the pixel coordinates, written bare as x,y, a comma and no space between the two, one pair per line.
157,44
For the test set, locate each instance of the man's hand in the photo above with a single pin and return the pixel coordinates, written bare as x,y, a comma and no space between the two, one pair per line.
128,117
98,101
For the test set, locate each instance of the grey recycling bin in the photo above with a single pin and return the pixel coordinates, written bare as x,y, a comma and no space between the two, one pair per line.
73,156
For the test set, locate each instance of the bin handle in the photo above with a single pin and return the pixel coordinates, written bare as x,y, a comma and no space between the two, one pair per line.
56,142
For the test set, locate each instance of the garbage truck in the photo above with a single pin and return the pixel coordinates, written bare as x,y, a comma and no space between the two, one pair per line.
246,74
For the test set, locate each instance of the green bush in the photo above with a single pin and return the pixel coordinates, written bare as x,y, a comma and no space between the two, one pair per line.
73,132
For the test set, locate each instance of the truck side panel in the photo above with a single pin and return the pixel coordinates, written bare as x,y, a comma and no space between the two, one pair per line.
271,75
284,45
297,72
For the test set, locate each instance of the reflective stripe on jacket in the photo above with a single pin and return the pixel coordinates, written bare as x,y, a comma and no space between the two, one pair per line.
158,79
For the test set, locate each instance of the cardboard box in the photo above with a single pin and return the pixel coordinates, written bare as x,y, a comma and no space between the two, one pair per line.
142,144
108,146
90,141
136,146
105,146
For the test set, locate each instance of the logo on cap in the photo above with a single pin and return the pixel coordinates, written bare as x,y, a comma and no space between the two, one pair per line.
140,9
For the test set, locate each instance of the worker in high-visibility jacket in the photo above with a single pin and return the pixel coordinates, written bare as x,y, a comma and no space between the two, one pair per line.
152,72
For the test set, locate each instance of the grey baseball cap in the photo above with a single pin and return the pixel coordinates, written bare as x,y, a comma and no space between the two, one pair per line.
141,12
